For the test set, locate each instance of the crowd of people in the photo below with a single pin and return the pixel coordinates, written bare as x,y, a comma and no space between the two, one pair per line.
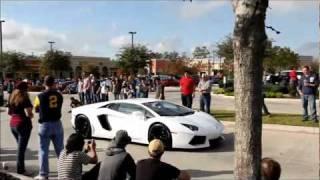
92,90
117,162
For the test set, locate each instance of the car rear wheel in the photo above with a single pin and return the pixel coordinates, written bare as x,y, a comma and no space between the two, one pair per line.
82,126
160,131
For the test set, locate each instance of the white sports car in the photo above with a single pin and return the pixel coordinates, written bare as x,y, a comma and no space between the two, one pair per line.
145,119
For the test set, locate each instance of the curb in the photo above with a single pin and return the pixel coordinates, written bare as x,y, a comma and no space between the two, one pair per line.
277,127
266,99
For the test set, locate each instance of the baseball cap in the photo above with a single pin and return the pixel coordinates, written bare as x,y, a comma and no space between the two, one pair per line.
156,147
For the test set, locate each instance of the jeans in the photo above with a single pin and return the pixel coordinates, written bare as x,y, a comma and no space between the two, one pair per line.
311,101
81,97
88,97
116,96
22,135
104,97
96,98
49,131
205,101
187,100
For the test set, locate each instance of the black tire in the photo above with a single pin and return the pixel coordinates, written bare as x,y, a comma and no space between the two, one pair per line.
82,126
162,132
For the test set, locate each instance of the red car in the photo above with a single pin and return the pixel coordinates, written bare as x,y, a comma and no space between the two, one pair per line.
168,80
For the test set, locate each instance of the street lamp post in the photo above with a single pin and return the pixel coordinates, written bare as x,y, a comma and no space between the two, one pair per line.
132,34
1,21
51,44
132,49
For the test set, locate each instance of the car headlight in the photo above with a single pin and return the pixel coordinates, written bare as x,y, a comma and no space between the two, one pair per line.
191,127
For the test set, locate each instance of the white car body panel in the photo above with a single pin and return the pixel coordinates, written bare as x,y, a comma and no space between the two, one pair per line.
138,128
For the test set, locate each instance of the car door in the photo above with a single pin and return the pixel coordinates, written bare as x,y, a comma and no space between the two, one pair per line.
135,125
110,120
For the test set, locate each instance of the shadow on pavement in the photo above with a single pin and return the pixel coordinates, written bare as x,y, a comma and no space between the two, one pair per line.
199,173
9,154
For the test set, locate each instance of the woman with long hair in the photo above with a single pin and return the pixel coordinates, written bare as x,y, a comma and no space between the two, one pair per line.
20,110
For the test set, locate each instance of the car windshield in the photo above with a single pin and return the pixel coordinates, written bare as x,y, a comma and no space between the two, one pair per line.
164,108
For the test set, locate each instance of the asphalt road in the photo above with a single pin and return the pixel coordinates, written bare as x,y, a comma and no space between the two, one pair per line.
298,153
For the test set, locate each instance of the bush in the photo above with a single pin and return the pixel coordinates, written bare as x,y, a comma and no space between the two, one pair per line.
279,95
229,93
229,83
218,91
276,88
35,88
229,89
274,95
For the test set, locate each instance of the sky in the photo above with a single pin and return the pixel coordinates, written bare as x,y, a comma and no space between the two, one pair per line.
100,28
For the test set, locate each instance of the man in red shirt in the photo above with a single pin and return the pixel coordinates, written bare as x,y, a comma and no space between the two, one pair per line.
187,88
293,82
293,74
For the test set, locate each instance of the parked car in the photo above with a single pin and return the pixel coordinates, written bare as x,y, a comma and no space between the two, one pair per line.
167,80
71,88
285,73
62,85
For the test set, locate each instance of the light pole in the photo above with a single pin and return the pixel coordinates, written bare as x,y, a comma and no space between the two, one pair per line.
132,34
51,43
2,73
132,50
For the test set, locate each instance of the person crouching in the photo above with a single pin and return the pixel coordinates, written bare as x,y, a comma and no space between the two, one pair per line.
72,157
117,162
154,169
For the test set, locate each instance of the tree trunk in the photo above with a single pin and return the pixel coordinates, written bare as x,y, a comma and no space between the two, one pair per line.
249,41
318,88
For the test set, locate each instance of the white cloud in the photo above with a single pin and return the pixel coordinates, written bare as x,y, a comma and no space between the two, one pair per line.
197,9
309,48
25,38
284,7
22,37
167,44
120,41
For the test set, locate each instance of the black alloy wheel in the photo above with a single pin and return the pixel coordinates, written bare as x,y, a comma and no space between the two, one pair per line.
160,131
82,126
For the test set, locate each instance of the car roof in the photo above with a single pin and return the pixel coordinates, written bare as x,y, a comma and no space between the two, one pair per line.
285,71
136,100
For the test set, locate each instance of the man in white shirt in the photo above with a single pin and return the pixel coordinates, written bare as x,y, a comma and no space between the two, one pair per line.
105,87
204,87
87,87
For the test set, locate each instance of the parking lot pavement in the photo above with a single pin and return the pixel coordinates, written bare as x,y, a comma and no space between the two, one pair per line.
296,152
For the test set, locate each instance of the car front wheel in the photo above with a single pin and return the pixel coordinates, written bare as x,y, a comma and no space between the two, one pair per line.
160,131
82,126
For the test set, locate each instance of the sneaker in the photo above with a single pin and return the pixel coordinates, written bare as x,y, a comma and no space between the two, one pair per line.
39,177
315,120
305,120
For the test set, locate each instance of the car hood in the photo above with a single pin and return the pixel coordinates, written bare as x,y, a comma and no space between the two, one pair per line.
202,120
